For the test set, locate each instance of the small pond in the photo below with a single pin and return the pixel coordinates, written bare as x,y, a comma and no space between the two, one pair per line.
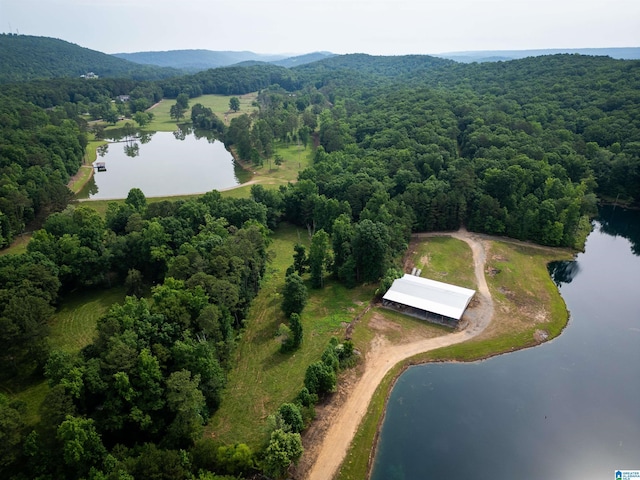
163,164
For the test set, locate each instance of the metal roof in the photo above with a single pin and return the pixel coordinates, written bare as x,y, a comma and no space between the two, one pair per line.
430,295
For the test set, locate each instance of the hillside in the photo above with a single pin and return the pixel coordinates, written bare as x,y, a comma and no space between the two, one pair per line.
627,53
199,60
303,59
196,60
25,57
384,66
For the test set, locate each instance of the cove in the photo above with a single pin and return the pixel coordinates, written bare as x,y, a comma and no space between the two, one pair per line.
164,164
567,409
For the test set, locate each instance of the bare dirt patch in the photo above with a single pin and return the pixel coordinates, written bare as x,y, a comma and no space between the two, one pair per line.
381,324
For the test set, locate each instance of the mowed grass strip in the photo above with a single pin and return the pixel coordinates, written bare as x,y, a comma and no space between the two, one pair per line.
527,278
262,378
74,325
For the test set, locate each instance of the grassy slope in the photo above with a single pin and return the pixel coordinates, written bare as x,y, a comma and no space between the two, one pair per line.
529,289
263,378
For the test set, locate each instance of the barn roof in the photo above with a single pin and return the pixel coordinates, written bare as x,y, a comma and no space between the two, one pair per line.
430,295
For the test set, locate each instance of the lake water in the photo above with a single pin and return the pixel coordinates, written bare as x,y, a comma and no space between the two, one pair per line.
162,164
568,409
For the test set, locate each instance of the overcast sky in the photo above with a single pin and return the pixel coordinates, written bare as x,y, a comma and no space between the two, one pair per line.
379,27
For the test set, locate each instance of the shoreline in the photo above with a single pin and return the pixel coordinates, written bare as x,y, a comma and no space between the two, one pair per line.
362,440
405,365
383,358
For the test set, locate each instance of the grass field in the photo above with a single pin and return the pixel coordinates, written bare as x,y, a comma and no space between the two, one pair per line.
521,288
263,378
74,324
219,104
445,259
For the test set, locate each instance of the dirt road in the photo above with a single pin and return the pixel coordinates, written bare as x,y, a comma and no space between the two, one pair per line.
383,356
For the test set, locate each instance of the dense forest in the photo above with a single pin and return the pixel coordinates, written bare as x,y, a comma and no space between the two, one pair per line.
524,148
25,57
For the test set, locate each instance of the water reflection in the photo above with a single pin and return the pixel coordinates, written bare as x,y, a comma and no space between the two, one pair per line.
159,165
617,221
103,150
180,134
563,272
131,148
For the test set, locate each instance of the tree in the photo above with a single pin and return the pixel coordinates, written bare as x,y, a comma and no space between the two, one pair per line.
295,324
188,403
177,112
318,258
294,334
234,104
11,432
236,459
134,283
294,295
183,101
82,446
136,200
283,450
291,416
277,159
320,378
300,261
370,250
143,118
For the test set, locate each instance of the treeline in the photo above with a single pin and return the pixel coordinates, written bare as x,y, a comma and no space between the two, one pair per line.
230,81
142,391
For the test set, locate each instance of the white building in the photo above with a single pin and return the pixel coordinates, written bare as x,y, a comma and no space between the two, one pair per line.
428,299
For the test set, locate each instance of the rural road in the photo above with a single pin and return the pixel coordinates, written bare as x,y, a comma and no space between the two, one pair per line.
382,357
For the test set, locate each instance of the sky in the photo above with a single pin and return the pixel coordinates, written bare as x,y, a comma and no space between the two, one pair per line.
377,27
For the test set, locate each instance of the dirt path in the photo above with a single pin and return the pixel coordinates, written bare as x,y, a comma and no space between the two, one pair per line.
383,356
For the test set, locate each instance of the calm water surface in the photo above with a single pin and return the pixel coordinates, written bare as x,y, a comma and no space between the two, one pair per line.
164,163
569,409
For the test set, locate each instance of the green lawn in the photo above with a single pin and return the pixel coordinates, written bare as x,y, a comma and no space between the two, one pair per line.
447,260
219,104
74,325
18,246
263,378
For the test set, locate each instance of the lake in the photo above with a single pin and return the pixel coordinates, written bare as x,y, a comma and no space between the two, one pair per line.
163,164
568,409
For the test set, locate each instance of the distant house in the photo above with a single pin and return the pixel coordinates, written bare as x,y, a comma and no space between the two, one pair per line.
123,98
89,76
427,299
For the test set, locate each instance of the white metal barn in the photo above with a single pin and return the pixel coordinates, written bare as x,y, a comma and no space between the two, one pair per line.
428,299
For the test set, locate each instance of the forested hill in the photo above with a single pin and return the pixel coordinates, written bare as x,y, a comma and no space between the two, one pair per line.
196,60
622,53
385,66
25,57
